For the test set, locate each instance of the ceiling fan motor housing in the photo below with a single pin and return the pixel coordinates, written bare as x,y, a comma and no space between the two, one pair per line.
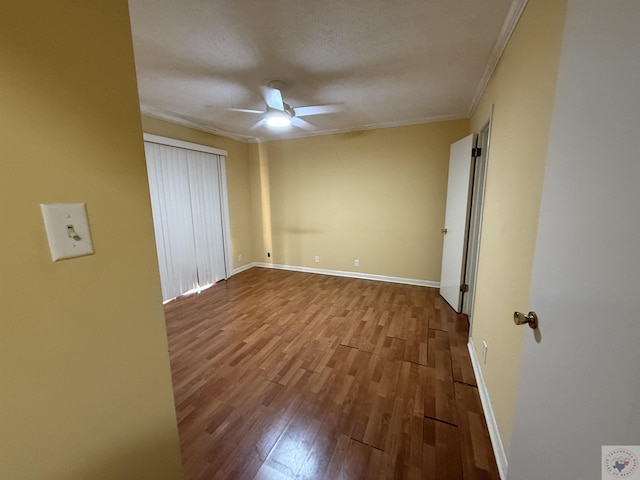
289,110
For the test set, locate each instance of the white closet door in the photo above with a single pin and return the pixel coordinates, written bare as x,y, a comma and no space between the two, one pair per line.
206,210
171,206
189,215
456,221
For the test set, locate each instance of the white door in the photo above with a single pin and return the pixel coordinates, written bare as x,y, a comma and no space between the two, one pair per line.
456,221
580,375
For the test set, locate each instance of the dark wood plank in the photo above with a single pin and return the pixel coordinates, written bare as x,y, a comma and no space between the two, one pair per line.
440,394
441,454
478,458
283,375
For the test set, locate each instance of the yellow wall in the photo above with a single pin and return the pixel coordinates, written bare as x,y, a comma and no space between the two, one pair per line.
85,386
522,92
238,184
376,195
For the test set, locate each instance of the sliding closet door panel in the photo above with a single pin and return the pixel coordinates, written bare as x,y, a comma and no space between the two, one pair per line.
188,200
155,191
207,216
224,208
171,207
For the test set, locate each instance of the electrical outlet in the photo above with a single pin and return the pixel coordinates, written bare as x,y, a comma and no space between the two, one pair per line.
317,259
240,257
356,263
484,352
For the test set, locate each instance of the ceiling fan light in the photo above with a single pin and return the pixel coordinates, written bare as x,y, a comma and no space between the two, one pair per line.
278,119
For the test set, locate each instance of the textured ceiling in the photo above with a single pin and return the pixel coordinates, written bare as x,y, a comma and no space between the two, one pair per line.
390,62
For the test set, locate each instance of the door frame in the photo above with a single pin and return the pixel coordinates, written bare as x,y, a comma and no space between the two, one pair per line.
474,228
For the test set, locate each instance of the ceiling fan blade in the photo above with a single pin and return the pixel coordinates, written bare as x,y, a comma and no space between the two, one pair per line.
272,97
259,124
318,109
300,123
245,110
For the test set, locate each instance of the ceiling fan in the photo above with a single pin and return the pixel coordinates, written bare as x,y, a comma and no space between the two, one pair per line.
279,114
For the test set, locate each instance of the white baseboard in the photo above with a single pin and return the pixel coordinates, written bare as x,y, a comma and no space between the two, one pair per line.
243,268
341,273
492,425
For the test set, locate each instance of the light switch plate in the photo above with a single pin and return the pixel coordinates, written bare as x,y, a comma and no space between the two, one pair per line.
67,230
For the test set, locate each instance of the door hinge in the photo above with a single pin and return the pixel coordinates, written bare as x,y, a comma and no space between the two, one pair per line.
476,152
464,288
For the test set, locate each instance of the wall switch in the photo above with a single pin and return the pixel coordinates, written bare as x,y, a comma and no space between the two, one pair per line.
356,263
484,352
67,229
317,259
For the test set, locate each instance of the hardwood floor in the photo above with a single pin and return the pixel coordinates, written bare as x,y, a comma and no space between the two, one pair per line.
281,375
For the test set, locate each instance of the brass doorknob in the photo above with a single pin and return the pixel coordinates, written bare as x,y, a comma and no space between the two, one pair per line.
530,318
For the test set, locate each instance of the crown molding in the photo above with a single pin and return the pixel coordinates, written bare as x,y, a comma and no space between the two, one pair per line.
190,123
363,128
187,122
509,25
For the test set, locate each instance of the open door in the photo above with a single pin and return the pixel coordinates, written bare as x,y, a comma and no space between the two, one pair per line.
579,391
456,221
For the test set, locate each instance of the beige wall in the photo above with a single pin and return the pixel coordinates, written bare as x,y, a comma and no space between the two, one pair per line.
238,181
85,386
522,92
376,195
